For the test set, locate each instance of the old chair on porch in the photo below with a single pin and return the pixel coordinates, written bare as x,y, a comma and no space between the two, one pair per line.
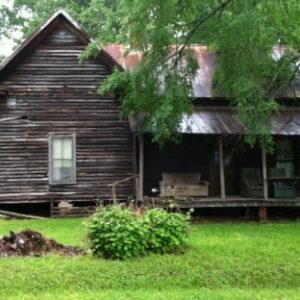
283,186
252,185
183,185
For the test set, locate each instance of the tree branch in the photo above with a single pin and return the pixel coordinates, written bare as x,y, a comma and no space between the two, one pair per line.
219,9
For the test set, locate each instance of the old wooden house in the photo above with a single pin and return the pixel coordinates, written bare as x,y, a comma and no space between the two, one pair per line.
61,142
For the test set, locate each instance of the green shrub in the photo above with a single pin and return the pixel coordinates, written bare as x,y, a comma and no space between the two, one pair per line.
116,233
119,233
167,231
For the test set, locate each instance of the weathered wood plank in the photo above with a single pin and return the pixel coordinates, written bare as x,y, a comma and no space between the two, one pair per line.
56,94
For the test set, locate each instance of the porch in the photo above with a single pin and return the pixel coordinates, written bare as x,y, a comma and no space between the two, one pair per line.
213,149
218,202
220,160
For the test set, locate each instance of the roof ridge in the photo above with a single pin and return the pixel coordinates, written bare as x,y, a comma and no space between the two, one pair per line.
35,36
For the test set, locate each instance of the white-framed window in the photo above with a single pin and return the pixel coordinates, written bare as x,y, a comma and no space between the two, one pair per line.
62,159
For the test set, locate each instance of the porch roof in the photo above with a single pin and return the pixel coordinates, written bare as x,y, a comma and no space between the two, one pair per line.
224,121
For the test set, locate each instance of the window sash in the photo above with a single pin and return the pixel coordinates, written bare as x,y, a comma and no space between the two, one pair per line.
62,159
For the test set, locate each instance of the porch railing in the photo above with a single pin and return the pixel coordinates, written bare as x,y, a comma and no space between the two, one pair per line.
114,186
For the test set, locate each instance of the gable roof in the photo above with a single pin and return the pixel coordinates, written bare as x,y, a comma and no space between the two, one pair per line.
26,47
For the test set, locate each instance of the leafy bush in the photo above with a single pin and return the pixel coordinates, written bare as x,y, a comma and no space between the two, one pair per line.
167,231
119,233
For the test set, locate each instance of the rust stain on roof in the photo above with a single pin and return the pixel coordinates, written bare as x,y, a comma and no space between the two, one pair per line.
202,84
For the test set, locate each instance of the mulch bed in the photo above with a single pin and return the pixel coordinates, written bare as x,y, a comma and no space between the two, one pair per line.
33,243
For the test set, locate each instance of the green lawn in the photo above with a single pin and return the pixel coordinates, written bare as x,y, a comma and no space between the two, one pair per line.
224,261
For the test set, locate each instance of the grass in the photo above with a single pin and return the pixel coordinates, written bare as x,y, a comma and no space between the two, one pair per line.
224,261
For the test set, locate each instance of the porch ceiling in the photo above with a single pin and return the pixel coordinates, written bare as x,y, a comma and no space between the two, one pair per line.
224,121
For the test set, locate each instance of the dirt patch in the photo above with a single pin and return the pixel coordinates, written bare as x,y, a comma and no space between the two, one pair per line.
32,243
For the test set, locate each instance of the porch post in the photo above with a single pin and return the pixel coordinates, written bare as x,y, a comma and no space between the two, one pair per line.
263,214
135,165
221,164
264,172
141,167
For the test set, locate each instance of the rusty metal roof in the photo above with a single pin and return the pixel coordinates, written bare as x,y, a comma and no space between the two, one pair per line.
212,119
203,82
224,121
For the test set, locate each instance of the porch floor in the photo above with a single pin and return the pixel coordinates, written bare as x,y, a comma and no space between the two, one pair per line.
229,201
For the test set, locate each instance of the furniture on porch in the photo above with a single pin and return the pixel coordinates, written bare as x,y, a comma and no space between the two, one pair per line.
283,186
183,185
252,184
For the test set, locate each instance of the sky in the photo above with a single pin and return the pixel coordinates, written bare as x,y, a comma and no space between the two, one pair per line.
6,45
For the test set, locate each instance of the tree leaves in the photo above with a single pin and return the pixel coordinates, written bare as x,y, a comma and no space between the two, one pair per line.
242,33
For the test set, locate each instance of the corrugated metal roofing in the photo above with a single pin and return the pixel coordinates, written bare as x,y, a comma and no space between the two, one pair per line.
202,83
224,121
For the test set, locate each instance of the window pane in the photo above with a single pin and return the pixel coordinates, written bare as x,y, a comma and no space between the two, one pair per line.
60,163
56,175
284,150
57,163
67,149
62,170
67,163
62,160
67,174
288,167
62,174
57,146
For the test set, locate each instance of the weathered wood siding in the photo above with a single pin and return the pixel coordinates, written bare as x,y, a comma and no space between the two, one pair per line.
55,94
